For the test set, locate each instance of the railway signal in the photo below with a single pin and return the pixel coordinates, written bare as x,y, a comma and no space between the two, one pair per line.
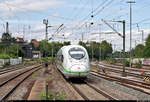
45,21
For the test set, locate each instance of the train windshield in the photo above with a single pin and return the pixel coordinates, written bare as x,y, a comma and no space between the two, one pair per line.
77,53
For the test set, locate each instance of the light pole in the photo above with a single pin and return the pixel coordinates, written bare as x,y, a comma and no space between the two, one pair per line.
100,42
123,74
142,31
142,36
130,2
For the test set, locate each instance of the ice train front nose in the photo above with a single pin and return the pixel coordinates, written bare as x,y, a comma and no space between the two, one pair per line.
78,68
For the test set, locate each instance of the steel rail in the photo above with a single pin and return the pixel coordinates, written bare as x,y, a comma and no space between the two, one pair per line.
17,85
7,70
127,68
80,93
74,87
128,73
83,95
107,95
3,83
126,81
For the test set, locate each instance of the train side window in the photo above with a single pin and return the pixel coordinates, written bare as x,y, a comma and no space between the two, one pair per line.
62,58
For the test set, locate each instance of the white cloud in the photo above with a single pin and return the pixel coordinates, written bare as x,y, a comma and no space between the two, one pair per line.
72,32
11,7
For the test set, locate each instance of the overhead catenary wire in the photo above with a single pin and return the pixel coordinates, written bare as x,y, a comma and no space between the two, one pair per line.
83,23
94,10
103,8
79,9
89,15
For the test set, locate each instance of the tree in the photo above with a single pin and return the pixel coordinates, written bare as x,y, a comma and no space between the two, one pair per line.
138,51
96,49
16,50
6,37
147,47
12,50
106,49
45,48
82,44
66,43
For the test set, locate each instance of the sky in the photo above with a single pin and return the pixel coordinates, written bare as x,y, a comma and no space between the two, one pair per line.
25,19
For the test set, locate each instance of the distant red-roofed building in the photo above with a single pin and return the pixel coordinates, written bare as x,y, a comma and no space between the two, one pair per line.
35,42
19,39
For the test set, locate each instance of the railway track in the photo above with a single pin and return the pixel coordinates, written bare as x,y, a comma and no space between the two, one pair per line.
145,67
127,72
127,68
134,84
11,69
98,93
102,95
9,86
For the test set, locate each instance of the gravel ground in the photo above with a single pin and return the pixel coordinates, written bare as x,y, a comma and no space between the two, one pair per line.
11,84
90,93
55,82
11,74
22,92
18,95
139,95
119,74
24,89
115,93
58,85
30,82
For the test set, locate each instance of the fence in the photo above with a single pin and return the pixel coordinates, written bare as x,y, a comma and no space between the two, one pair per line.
12,61
145,61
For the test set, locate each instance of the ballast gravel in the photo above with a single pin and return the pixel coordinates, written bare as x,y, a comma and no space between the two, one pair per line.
139,95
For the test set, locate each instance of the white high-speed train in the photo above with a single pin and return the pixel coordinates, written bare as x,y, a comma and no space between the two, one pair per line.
73,61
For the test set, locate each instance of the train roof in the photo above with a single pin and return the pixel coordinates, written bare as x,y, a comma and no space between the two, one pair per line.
71,46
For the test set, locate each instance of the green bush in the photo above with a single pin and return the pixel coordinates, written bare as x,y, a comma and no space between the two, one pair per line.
48,59
43,96
93,59
13,56
118,60
6,64
60,96
138,64
51,96
4,56
127,63
112,61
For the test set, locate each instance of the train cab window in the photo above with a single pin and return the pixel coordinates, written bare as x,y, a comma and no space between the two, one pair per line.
77,53
62,58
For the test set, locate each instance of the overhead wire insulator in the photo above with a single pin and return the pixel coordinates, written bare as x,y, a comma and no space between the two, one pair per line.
92,17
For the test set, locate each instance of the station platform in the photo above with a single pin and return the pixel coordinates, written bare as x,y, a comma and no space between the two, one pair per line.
37,89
